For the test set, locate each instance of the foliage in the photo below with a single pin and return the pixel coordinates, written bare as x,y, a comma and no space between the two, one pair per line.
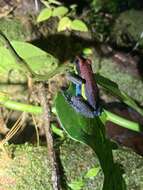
40,62
91,132
44,15
79,184
86,130
55,8
113,88
92,172
35,57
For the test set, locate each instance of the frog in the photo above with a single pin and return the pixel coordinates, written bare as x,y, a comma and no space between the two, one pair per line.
86,99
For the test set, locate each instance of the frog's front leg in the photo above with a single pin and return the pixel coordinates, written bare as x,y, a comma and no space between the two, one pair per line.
78,81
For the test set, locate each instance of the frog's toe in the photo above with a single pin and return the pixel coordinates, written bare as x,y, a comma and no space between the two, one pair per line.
98,111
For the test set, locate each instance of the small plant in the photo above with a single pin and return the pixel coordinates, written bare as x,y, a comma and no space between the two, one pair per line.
79,184
64,14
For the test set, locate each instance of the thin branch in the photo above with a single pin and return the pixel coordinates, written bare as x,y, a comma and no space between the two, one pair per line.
50,143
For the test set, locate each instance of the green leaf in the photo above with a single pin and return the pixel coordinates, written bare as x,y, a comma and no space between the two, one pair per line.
76,185
45,14
113,89
91,132
79,25
79,133
60,11
92,172
65,23
39,61
57,130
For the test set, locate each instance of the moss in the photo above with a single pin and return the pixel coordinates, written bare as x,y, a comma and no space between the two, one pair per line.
131,23
77,159
128,83
133,168
14,29
29,168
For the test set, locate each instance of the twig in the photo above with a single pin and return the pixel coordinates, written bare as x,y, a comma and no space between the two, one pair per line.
36,129
50,143
36,5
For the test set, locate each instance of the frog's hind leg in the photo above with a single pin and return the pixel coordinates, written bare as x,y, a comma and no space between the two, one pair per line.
79,104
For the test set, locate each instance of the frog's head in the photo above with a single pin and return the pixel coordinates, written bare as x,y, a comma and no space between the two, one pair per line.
80,61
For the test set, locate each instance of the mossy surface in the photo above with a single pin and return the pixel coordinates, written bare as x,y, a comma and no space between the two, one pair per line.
133,167
14,29
130,23
128,83
29,168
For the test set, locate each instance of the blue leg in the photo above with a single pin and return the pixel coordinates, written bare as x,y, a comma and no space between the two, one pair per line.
77,102
78,89
75,79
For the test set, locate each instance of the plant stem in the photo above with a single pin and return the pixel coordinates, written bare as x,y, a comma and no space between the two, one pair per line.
14,105
122,121
37,110
21,106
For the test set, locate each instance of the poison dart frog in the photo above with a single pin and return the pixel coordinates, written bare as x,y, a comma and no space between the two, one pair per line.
86,99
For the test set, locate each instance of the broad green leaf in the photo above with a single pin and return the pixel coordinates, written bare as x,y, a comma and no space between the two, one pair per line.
45,14
64,23
77,185
76,125
92,172
79,25
60,11
39,61
113,89
91,132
